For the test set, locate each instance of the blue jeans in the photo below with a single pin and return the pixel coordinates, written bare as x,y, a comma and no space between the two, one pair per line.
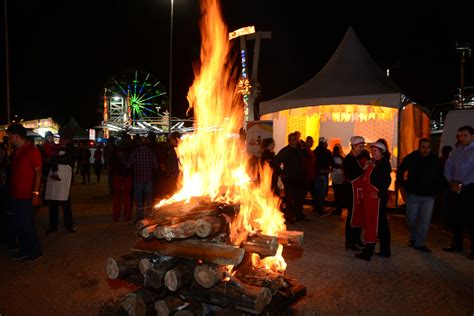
143,192
321,189
419,210
24,215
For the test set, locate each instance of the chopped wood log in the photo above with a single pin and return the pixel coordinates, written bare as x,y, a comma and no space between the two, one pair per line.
140,302
263,245
154,276
285,297
145,264
179,276
147,232
123,266
178,231
146,222
246,298
168,305
210,225
290,237
193,249
208,275
262,278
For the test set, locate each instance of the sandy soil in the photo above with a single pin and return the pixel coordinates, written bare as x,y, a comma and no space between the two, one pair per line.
70,278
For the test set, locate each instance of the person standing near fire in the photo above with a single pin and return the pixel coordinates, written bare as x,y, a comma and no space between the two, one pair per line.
172,165
324,162
292,175
420,179
24,191
370,192
143,162
352,170
459,172
59,193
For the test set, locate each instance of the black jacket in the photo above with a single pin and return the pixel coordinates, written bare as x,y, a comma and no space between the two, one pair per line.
324,160
425,177
380,177
351,167
293,162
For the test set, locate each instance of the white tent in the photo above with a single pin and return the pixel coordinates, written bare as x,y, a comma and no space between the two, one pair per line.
351,95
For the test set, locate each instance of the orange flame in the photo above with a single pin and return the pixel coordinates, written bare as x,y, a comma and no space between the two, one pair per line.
213,158
276,263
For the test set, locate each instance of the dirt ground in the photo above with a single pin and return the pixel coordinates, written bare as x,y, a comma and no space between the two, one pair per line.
70,278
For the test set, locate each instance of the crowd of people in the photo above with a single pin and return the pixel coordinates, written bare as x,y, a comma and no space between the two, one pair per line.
142,170
361,181
139,171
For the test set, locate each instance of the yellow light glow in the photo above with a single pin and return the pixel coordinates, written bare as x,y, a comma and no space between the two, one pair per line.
242,31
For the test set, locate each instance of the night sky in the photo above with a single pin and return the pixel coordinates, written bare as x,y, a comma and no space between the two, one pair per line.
63,52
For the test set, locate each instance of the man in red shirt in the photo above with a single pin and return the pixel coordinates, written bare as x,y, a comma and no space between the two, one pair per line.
25,183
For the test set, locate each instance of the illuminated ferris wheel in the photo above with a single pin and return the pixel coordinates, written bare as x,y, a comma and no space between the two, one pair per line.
133,97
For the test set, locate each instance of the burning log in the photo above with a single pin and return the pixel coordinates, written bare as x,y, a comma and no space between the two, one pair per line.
123,266
290,237
140,302
246,298
262,244
179,276
177,231
193,249
168,305
208,275
210,225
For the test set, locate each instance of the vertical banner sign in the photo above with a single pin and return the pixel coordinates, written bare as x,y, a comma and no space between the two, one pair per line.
256,132
91,134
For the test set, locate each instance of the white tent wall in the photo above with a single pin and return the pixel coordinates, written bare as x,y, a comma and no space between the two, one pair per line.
454,120
337,132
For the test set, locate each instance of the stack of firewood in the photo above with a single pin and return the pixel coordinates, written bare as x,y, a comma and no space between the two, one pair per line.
183,256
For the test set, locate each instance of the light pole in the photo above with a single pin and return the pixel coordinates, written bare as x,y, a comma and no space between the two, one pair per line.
171,67
7,66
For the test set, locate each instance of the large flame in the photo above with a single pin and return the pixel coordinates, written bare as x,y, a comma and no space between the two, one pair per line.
213,158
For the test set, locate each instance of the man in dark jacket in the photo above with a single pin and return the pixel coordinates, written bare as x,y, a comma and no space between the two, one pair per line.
292,174
324,163
352,170
423,181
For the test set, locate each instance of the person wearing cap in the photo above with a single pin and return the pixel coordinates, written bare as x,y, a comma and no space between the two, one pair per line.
371,197
423,181
352,170
324,163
